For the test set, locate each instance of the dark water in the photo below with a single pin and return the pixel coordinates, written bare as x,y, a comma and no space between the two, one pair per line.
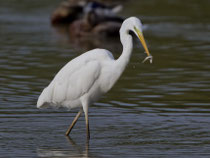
157,110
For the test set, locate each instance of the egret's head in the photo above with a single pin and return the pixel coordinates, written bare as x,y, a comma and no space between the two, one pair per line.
134,24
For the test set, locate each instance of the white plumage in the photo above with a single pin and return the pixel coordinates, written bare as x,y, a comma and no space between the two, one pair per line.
86,78
78,77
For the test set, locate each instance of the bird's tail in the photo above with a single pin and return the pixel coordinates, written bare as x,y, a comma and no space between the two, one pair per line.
43,99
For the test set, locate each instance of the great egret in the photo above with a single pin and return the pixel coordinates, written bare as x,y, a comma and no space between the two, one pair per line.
86,78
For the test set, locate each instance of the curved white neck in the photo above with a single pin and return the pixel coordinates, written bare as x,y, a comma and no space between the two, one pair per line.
120,64
127,43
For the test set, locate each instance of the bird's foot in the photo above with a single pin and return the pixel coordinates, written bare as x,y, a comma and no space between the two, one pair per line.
148,58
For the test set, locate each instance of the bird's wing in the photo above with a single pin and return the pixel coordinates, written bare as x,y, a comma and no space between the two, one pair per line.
75,78
73,85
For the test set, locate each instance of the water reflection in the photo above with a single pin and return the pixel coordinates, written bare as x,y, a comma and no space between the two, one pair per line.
75,150
85,43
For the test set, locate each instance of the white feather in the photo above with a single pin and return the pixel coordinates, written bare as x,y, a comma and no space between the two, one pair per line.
75,79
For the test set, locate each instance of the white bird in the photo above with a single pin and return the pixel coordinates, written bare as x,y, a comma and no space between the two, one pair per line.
86,78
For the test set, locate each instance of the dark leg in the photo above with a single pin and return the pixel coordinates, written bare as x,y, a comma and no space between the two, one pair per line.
87,126
73,122
85,109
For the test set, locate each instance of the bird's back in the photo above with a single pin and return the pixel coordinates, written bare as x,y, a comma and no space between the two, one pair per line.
74,80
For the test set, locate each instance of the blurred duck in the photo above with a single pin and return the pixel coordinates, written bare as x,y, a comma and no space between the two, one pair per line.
101,9
67,12
94,25
98,19
72,10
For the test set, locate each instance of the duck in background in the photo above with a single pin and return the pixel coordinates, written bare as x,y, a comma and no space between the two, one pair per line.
67,12
71,10
97,20
88,18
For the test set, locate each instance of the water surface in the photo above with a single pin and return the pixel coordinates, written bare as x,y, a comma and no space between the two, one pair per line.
155,110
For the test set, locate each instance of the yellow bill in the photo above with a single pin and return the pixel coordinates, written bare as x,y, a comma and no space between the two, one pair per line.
141,38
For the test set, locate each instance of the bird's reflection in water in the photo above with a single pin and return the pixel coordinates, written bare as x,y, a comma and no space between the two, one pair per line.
85,152
75,151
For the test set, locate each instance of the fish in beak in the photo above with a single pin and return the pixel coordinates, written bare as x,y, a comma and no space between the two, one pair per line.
141,38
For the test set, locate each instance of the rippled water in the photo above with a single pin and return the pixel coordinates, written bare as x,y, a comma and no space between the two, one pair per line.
157,110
